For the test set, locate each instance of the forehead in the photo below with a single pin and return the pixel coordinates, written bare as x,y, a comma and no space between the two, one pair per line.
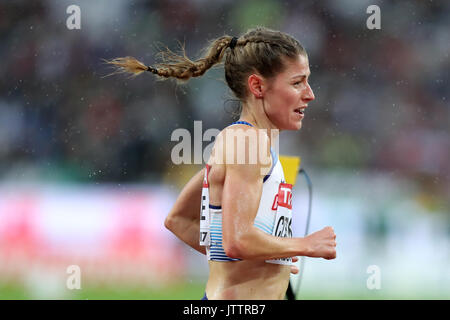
297,67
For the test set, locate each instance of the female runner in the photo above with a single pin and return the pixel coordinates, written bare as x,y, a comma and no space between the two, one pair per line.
239,205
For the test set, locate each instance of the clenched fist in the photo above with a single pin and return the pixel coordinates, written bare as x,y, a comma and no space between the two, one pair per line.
322,244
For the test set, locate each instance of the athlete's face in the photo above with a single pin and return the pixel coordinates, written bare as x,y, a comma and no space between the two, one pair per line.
288,94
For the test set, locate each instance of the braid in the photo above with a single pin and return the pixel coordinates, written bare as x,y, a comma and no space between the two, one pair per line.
260,49
174,65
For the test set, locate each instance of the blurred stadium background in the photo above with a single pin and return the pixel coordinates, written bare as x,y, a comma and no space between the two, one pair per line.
86,176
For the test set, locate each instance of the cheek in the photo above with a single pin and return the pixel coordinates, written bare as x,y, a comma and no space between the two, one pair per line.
292,97
286,101
281,107
288,97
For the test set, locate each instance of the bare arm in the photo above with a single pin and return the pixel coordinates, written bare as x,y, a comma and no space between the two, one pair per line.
241,239
184,218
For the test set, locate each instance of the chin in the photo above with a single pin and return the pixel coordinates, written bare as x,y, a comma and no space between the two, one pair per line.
295,126
292,127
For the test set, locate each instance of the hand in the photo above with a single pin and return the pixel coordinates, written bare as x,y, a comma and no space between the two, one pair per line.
322,244
294,269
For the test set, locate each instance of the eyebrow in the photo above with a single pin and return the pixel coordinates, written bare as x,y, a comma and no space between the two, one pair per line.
299,76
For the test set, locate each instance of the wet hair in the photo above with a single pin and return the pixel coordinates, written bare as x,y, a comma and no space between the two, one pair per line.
260,50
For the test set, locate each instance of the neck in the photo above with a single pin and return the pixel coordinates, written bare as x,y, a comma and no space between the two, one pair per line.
259,119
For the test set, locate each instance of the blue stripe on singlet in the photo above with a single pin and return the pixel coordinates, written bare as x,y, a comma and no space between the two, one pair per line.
242,122
263,227
274,160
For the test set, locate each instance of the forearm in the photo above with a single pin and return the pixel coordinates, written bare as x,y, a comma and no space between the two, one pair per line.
187,230
256,244
184,218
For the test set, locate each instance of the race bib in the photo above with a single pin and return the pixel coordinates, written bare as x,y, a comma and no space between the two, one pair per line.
283,219
205,239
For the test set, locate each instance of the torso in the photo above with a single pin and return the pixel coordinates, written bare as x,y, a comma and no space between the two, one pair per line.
244,279
247,280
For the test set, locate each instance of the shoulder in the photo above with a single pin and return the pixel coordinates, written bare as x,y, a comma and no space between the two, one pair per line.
242,148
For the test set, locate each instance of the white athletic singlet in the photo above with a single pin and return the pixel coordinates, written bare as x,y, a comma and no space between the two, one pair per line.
274,214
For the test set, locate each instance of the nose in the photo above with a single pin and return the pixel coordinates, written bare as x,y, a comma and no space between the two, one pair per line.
308,94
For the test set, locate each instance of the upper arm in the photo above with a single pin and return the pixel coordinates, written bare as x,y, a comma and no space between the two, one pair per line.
240,201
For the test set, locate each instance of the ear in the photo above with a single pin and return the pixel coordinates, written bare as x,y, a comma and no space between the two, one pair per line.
256,85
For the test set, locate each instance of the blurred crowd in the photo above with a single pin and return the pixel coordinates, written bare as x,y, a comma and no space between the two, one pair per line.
381,95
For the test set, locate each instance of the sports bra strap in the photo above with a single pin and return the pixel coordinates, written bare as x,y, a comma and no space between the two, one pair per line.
242,122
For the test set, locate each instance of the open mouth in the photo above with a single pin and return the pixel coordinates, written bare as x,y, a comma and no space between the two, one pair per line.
300,111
